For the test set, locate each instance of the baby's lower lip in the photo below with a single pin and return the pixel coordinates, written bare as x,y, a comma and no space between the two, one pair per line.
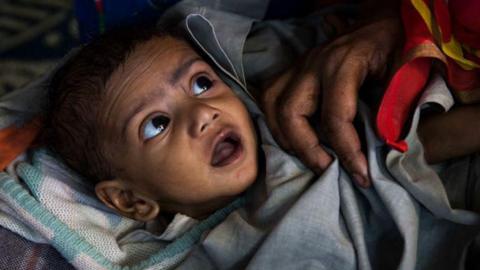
228,155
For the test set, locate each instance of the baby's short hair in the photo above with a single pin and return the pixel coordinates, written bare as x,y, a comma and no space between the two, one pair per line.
76,92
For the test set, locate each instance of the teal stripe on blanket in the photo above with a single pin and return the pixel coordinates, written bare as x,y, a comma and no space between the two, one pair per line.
191,237
66,241
33,178
42,158
70,244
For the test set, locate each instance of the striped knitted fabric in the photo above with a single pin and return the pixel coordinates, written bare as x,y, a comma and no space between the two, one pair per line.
53,205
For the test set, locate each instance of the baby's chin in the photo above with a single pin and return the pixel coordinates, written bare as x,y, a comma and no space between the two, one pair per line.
244,178
227,190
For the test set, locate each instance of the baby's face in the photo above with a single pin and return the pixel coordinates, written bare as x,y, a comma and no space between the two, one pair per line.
175,131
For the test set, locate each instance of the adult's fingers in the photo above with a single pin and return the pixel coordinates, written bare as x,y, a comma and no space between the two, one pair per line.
341,81
299,103
270,105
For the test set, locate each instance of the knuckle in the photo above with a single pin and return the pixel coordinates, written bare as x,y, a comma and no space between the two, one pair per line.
331,124
336,55
284,113
356,60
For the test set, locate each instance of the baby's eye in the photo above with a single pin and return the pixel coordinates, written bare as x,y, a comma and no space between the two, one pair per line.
155,126
201,84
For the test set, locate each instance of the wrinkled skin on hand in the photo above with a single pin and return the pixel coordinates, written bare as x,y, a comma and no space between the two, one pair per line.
328,79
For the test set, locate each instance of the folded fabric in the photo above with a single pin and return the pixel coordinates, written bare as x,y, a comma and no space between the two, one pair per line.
20,254
447,31
15,140
56,207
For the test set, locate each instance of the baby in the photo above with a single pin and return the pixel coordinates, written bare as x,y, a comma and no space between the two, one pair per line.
144,117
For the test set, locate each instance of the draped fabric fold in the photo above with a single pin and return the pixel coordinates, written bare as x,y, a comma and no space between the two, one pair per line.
445,31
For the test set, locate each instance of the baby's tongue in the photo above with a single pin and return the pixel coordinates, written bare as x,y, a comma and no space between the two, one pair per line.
222,151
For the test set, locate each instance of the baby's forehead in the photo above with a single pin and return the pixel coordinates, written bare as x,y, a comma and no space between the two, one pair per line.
156,58
165,51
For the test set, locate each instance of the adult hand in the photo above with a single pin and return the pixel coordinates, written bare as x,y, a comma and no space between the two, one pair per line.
330,76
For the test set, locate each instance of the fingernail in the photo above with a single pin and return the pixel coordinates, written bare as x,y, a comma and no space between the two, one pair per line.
361,180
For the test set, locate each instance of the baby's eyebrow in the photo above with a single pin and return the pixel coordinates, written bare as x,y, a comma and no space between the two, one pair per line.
181,70
174,78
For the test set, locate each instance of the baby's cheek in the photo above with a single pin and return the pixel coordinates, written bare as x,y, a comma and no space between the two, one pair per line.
247,175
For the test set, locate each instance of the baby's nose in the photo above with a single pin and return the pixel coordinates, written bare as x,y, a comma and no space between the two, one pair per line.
207,123
203,117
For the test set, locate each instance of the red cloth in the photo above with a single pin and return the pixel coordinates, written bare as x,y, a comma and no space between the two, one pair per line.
15,140
431,30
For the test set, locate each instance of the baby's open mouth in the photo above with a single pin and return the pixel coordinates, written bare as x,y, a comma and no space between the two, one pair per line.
227,150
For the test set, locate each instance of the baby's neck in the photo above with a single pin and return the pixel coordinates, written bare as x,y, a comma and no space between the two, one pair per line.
198,211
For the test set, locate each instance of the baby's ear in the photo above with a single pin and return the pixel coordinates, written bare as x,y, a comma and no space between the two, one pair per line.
116,195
